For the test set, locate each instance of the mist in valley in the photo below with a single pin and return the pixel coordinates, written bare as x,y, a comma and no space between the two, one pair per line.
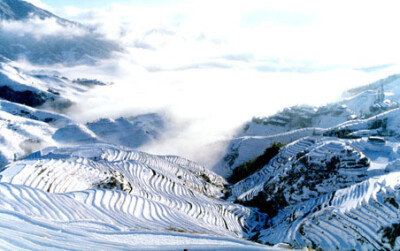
208,68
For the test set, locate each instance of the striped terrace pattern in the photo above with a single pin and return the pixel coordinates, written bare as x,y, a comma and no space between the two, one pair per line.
139,190
360,217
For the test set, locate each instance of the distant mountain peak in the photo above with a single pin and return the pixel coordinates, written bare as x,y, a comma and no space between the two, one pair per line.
19,10
85,48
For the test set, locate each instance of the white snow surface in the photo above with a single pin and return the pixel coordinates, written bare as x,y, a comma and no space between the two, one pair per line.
104,197
25,129
299,121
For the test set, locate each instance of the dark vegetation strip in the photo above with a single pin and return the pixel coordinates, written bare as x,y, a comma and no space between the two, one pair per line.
245,170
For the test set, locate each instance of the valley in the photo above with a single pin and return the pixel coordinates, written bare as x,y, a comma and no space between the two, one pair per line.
320,177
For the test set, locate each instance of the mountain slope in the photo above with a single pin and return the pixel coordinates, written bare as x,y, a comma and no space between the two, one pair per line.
31,107
334,183
296,122
23,34
364,216
338,190
121,192
35,90
19,10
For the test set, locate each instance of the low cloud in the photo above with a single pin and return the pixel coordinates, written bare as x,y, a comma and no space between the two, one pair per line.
52,40
210,68
204,105
202,65
240,57
375,67
39,28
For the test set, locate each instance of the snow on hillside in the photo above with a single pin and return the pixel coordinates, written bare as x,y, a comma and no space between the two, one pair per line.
125,131
24,34
26,126
20,136
103,193
390,86
333,185
363,216
328,192
32,89
299,121
25,129
131,131
19,10
30,102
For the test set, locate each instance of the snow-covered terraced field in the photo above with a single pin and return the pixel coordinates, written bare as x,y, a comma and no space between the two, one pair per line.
325,192
246,148
357,114
364,216
255,183
91,220
118,191
324,156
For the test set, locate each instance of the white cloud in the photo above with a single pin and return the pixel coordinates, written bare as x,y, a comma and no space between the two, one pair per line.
215,64
361,32
207,104
40,4
37,28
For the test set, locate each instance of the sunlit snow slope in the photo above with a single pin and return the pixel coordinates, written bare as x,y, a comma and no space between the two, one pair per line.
98,194
333,184
31,107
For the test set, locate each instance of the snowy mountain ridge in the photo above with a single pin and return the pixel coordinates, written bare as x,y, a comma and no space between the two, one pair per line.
19,10
334,183
300,121
23,35
31,106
